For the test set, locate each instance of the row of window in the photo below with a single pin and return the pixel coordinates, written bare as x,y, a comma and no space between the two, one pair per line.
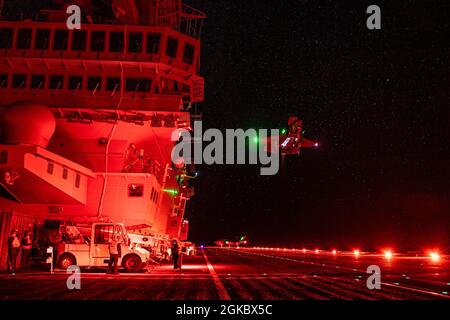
98,42
76,82
38,81
137,191
65,173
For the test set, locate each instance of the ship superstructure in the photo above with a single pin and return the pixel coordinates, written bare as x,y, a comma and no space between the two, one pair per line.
87,115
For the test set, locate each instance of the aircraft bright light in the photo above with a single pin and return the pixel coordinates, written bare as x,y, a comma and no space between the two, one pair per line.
435,256
388,254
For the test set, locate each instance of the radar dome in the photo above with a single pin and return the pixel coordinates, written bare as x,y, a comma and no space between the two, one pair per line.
28,122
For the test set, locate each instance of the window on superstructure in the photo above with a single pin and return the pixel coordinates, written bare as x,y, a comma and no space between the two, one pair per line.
60,41
113,84
153,41
138,85
188,55
116,42
172,47
65,173
24,38
4,157
56,82
97,41
135,190
94,83
77,180
6,38
37,81
42,39
50,168
75,82
79,40
3,80
19,81
135,42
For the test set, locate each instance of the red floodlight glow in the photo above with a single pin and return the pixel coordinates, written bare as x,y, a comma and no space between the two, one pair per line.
334,251
317,250
356,253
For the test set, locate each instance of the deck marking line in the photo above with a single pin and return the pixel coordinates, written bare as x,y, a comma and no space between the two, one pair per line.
223,294
415,290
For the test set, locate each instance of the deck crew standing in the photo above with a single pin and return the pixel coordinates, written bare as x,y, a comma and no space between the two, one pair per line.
114,254
13,251
175,254
27,245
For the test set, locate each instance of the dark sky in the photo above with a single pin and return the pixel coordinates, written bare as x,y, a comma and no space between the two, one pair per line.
378,102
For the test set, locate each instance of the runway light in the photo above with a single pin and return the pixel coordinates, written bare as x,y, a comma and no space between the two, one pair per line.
388,254
435,257
356,253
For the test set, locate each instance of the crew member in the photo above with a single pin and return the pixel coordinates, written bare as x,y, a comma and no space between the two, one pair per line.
175,254
27,245
114,254
13,250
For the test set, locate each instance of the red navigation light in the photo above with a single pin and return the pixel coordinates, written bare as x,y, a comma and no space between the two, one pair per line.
435,257
316,145
388,254
334,251
317,250
304,250
356,253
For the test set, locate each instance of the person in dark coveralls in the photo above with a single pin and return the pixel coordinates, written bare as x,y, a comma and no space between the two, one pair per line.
13,251
27,245
115,251
175,255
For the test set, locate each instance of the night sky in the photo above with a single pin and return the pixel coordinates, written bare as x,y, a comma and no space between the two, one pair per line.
378,102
